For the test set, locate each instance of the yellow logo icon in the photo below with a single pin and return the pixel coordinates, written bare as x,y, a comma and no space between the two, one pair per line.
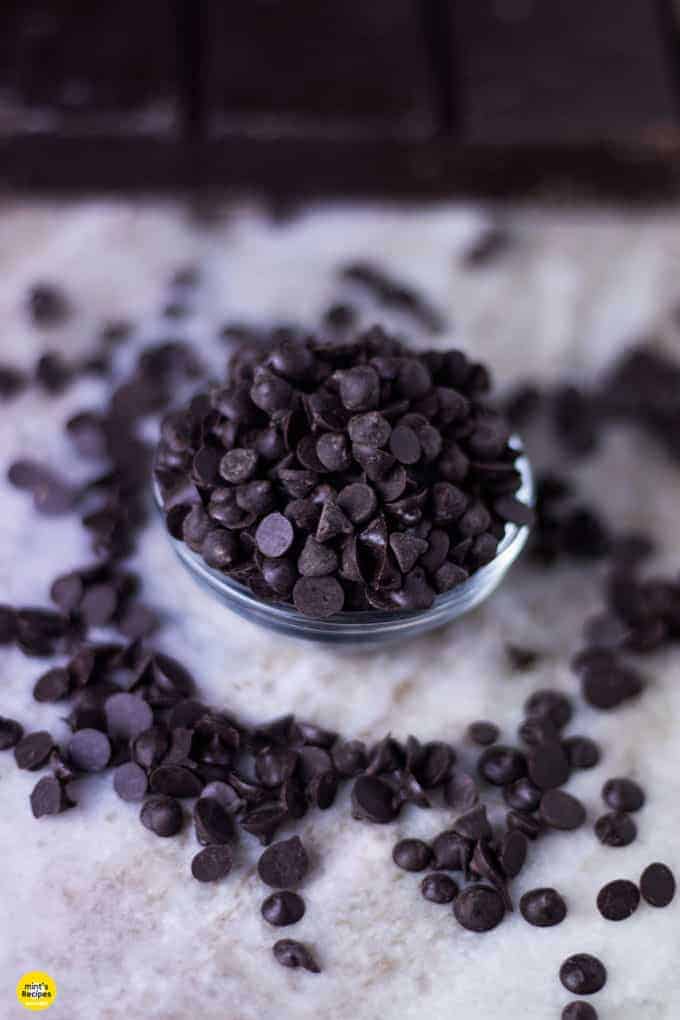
36,990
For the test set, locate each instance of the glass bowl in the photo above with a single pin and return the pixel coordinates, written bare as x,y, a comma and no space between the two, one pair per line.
369,628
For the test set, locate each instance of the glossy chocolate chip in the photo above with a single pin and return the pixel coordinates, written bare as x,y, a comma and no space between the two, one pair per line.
212,863
438,888
583,974
373,800
623,795
479,908
501,765
411,854
657,885
284,864
293,954
615,829
162,815
543,907
33,750
618,900
283,908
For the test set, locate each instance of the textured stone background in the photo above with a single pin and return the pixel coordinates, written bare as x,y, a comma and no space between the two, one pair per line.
108,909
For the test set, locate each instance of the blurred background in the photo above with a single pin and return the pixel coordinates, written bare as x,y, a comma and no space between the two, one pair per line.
304,97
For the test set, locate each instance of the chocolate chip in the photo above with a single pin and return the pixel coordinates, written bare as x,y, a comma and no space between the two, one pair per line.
53,685
274,535
608,686
349,758
451,851
127,715
373,800
548,765
162,815
582,752
358,501
501,765
479,908
474,824
289,953
284,864
263,821
212,821
212,863
274,765
67,592
657,885
283,908
583,974
175,781
370,429
525,823
11,733
99,604
360,388
561,810
318,597
522,795
130,782
483,732
89,750
548,704
543,907
49,797
411,854
316,559
579,1011
623,795
33,750
615,829
513,852
438,888
618,900
460,791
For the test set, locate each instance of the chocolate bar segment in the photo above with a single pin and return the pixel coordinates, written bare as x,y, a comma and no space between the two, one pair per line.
88,67
560,73
272,68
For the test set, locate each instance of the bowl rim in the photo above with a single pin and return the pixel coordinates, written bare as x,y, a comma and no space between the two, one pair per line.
348,623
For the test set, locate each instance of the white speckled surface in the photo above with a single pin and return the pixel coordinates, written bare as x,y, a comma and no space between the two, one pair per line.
108,909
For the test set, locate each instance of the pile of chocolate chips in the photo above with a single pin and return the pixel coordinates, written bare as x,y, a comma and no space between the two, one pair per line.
342,476
133,710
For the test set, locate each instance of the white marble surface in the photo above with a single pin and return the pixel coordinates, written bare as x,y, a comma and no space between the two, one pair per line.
108,909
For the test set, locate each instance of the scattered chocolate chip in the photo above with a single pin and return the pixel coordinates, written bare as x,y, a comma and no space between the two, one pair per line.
349,758
527,824
127,715
657,885
212,863
213,822
618,900
579,1011
583,974
615,829
460,791
623,795
582,752
11,733
501,765
512,852
283,908
561,810
483,733
438,888
474,824
373,800
89,750
33,750
284,864
176,781
162,815
479,908
53,685
522,795
411,854
130,781
49,797
548,765
549,704
289,953
543,907
452,851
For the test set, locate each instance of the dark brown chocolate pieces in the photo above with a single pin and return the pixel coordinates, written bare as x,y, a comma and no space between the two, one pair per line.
657,885
293,954
89,750
623,795
11,733
49,797
615,829
561,810
543,907
284,864
411,854
212,863
283,908
438,887
618,900
579,1011
33,751
479,908
162,815
583,974
374,479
